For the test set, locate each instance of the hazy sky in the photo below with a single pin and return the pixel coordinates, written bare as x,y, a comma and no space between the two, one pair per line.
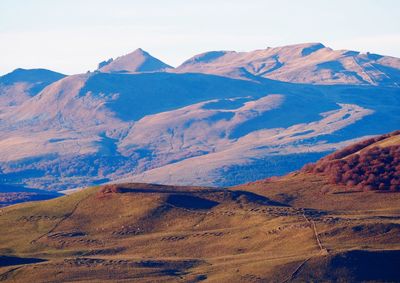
72,36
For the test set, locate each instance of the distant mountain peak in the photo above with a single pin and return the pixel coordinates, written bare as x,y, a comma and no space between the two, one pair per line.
140,50
30,76
20,85
134,62
307,44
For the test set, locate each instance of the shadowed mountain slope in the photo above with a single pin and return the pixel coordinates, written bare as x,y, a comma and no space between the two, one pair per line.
21,84
40,76
99,127
146,125
10,195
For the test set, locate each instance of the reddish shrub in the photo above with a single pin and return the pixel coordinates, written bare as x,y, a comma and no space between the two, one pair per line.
375,168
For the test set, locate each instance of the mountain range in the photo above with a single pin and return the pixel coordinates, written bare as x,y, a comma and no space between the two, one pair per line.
221,118
276,165
302,63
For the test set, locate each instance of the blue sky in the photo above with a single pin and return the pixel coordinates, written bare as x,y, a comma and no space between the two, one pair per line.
72,36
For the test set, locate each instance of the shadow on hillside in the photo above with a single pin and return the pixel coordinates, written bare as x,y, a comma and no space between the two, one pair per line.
13,260
356,266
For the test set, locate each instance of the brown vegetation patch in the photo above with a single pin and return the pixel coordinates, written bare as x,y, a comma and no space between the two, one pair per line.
109,189
363,165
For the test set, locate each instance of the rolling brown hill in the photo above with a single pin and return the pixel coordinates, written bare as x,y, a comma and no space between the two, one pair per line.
341,180
153,233
296,228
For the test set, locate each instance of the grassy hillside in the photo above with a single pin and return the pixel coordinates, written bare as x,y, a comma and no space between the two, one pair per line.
160,233
149,231
296,228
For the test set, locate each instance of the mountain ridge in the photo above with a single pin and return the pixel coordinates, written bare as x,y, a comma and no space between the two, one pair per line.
300,63
105,126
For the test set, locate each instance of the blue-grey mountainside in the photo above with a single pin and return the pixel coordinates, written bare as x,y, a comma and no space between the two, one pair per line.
221,118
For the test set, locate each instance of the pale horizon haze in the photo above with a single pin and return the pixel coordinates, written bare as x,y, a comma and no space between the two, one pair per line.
74,36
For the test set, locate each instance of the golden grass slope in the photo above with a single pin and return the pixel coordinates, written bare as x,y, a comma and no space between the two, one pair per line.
153,233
